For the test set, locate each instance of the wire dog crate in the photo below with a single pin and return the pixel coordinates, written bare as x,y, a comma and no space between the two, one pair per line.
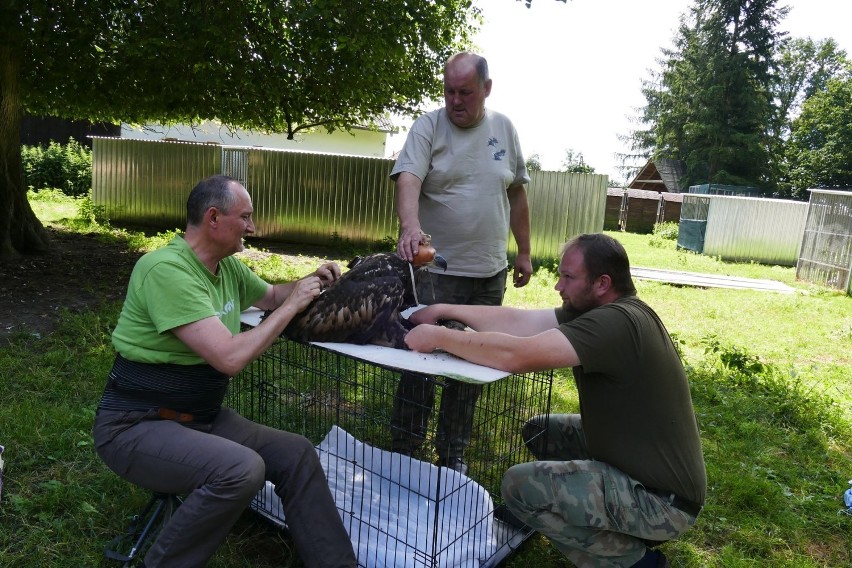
399,510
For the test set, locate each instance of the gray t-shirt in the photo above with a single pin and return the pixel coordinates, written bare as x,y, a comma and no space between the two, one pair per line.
465,173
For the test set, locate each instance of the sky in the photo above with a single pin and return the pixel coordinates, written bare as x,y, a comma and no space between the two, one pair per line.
569,75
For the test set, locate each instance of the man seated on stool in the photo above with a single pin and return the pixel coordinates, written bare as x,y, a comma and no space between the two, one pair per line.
160,423
626,472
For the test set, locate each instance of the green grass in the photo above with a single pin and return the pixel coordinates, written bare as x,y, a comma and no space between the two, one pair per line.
770,378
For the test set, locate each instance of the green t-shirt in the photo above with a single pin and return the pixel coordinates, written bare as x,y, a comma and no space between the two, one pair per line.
170,287
634,397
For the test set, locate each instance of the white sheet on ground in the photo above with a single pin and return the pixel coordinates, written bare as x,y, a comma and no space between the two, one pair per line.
401,512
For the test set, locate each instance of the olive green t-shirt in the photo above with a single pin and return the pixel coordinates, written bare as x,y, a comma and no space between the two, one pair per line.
170,287
634,397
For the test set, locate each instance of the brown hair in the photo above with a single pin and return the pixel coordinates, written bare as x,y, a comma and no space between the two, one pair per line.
604,255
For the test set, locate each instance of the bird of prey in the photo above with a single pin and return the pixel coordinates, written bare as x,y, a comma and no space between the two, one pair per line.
364,304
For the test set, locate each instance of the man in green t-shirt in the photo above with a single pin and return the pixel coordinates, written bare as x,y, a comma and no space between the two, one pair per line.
626,472
160,423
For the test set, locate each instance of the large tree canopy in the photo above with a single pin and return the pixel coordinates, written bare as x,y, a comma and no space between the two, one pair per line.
726,96
820,148
711,105
282,66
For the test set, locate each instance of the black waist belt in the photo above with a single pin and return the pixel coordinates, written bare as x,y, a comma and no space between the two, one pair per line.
690,507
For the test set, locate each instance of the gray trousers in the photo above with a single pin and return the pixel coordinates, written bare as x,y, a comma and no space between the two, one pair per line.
594,513
415,395
220,471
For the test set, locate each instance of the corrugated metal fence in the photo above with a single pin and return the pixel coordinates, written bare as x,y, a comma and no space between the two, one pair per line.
743,228
749,228
826,256
307,197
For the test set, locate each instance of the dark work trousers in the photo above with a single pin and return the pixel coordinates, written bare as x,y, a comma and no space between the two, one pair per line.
220,471
415,394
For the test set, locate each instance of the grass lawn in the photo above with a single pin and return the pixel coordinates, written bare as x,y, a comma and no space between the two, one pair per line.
771,380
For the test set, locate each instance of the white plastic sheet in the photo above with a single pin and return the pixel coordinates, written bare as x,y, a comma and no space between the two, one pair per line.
401,512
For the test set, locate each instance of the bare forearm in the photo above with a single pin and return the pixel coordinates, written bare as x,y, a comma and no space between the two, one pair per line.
547,350
408,210
519,217
518,322
245,347
230,353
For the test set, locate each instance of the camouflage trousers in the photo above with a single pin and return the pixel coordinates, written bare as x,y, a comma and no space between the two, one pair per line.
591,511
415,396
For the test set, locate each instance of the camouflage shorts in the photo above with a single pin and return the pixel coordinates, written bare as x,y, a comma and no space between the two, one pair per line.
594,513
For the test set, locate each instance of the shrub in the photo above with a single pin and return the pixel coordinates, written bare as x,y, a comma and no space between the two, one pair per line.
91,213
662,233
667,230
66,167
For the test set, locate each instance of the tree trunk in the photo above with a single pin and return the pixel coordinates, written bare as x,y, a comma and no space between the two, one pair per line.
20,230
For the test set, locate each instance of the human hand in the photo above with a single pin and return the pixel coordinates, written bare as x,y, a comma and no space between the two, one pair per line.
328,273
423,338
522,270
303,293
409,242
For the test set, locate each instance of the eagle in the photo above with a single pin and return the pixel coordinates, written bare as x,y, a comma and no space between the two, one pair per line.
364,304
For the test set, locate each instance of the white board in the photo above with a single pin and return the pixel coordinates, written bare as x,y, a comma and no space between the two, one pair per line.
442,364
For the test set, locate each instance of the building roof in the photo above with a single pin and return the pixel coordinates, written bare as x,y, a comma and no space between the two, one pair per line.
660,175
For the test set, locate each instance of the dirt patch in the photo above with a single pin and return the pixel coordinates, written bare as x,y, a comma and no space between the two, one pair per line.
77,273
80,272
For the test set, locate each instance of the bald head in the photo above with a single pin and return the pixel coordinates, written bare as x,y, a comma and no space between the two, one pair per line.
466,60
466,86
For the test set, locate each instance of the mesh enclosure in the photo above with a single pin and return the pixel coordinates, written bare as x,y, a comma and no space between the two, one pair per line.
399,511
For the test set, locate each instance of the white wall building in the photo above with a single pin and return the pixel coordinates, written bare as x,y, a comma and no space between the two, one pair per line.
357,142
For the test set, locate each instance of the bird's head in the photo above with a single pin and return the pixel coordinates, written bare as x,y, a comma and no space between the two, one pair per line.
428,256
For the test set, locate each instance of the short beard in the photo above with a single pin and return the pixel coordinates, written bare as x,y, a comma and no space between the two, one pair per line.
571,310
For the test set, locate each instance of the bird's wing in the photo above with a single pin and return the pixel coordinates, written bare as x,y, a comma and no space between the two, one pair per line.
352,311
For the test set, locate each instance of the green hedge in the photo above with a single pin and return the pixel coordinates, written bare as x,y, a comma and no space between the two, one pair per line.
66,167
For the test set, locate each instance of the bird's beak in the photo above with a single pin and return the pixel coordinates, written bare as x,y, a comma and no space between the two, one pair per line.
440,262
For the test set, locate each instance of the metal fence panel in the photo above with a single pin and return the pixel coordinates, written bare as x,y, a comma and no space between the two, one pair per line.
310,198
693,222
826,252
140,183
748,228
321,198
563,205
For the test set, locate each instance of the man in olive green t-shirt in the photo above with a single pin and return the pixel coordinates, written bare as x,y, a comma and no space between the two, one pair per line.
628,470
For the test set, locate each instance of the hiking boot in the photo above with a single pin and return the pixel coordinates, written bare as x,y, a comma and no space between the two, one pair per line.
653,559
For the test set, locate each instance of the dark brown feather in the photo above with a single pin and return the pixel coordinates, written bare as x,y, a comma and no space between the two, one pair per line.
362,306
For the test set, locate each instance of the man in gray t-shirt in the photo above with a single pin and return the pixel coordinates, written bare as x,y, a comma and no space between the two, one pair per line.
460,178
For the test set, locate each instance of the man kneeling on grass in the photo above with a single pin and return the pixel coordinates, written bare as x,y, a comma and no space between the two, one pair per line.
627,472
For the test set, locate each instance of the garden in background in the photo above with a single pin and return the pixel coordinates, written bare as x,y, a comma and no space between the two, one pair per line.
769,372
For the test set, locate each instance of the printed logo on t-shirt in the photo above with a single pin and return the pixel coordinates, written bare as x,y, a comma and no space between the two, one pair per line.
493,141
228,308
499,155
